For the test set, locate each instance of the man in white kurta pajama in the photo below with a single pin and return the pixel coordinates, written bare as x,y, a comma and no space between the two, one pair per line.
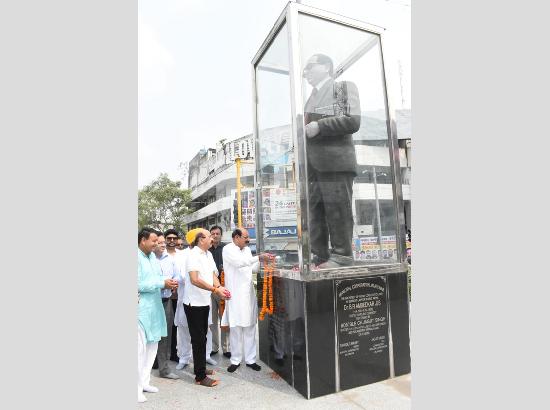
241,310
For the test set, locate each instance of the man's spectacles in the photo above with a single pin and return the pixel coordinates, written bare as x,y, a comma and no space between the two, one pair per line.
171,238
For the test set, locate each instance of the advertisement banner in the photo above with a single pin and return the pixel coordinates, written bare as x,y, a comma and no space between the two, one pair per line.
248,210
368,248
279,207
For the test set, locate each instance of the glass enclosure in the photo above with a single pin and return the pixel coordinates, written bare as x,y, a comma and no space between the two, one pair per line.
277,196
333,308
325,175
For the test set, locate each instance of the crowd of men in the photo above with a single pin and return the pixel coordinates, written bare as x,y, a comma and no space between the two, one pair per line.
179,285
191,276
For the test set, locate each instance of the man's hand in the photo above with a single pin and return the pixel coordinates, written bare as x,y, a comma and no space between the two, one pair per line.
223,293
312,129
170,284
266,256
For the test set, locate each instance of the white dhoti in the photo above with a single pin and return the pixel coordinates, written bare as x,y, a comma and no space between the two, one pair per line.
146,357
243,339
208,343
183,347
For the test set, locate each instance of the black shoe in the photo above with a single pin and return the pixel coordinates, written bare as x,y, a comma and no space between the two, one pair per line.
233,367
329,264
316,260
227,354
254,366
213,353
342,260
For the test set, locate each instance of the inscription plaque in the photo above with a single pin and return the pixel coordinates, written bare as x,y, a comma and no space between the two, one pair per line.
362,331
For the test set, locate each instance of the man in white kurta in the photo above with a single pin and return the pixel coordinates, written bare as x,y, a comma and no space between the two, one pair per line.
241,310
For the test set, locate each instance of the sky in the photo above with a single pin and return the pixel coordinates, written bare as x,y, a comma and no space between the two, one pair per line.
194,70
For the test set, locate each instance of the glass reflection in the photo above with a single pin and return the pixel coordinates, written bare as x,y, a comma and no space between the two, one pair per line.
332,114
352,218
277,197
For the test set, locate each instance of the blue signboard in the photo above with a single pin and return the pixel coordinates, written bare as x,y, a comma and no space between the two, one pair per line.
251,233
280,231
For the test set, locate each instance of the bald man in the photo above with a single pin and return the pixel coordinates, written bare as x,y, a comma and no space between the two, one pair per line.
203,281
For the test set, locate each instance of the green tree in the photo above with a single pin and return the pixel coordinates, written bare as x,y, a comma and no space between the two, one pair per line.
162,204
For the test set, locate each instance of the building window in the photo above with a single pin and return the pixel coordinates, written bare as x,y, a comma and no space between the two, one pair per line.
366,214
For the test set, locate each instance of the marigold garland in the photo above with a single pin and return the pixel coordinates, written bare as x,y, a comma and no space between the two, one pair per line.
222,302
267,291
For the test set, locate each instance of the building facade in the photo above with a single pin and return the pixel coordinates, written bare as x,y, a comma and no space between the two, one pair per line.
212,178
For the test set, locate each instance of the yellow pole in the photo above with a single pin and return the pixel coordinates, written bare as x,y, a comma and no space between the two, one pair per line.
239,210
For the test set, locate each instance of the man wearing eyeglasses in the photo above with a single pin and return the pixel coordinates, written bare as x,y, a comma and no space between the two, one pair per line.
169,271
241,310
331,115
216,250
173,237
181,244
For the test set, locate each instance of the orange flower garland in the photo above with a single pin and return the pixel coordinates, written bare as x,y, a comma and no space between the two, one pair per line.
267,291
222,302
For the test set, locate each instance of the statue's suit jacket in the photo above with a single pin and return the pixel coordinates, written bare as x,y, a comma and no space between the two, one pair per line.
336,109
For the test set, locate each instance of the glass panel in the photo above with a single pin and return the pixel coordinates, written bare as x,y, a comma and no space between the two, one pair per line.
277,197
352,218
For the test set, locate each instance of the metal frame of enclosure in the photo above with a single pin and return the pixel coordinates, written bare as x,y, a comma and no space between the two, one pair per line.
290,17
303,274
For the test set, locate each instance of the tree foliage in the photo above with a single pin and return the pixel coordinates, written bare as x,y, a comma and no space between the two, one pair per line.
162,204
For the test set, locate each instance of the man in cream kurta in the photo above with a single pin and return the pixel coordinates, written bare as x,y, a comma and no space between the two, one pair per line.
241,310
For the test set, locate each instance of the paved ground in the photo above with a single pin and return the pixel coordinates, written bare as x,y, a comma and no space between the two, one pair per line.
247,389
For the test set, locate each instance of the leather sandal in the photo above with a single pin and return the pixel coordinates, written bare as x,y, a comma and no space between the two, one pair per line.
210,372
207,382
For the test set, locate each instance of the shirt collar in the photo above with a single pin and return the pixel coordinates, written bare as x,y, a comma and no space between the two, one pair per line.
200,251
321,83
239,249
144,255
164,255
